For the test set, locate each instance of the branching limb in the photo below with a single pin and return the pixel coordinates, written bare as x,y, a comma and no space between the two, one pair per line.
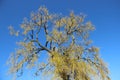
41,45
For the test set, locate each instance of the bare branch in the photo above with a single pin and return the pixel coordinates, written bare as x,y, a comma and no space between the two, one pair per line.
41,46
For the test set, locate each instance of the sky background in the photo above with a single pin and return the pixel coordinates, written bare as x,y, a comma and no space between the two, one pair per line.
104,14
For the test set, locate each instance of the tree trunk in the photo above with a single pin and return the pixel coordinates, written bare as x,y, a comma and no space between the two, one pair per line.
64,76
67,77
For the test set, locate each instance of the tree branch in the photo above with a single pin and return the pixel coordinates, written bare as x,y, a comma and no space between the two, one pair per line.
42,46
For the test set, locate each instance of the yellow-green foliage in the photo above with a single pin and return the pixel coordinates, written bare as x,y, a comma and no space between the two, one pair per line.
71,56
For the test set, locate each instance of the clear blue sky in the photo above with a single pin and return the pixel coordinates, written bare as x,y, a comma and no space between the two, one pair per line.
104,14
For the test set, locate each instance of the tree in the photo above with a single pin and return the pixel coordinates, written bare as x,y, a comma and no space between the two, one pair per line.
71,55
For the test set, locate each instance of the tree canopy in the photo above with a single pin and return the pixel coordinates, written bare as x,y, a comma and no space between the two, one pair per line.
65,39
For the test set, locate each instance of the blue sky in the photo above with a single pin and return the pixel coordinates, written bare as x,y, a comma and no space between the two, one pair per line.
104,14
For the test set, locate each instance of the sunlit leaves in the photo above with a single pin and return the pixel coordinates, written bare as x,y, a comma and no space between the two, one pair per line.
13,32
